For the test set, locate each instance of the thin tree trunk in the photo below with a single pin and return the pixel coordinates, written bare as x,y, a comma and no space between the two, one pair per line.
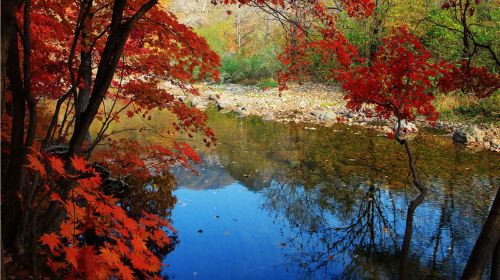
405,251
403,264
485,244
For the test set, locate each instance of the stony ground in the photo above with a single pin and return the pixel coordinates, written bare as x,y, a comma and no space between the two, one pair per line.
323,105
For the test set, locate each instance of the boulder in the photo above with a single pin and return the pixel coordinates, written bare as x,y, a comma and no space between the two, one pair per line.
195,100
468,135
407,131
242,112
224,103
199,103
324,115
495,145
213,96
268,116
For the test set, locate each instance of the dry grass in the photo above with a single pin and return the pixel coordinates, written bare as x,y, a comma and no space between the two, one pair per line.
468,108
449,102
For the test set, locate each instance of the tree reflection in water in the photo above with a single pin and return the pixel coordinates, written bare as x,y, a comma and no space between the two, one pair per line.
328,232
153,195
353,229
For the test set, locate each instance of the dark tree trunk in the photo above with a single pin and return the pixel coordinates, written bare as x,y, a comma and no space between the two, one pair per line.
495,263
374,44
119,32
485,244
11,208
405,251
23,229
8,31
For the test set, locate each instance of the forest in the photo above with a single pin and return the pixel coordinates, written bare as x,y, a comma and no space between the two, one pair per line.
250,139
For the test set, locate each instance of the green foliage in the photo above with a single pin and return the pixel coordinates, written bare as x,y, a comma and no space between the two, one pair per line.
215,35
255,69
267,84
358,32
253,62
447,43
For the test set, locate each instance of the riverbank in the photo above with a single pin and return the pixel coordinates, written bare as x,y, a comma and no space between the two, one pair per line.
324,105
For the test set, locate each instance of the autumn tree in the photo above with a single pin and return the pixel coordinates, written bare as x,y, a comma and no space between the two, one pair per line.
91,61
97,61
397,86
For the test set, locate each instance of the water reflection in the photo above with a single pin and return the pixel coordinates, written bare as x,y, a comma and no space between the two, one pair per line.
279,201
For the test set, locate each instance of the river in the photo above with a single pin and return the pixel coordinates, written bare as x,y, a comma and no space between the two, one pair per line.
282,201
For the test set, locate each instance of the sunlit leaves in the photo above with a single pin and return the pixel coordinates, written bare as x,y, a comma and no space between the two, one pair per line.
56,164
398,83
359,8
72,254
126,239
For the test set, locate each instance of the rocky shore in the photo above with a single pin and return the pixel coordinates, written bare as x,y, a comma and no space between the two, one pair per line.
323,105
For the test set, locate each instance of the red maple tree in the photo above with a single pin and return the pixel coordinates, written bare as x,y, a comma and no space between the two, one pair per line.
398,83
91,61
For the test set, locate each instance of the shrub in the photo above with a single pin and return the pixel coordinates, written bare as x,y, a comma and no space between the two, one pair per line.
248,70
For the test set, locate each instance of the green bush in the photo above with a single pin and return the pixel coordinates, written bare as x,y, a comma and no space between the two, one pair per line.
249,70
267,84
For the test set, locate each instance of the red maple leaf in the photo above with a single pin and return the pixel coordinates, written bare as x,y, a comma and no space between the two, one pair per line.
91,264
138,244
125,271
79,163
57,164
36,165
72,256
67,229
51,240
110,257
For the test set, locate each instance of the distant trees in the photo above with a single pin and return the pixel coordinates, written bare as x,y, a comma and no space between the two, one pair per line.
469,78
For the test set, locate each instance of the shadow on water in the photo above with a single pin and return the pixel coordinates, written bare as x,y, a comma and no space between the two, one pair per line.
281,201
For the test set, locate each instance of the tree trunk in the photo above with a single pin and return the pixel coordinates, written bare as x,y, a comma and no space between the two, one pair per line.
110,57
495,263
405,251
8,30
485,244
11,204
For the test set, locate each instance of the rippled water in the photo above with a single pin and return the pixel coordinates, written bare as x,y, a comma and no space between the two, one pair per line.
278,201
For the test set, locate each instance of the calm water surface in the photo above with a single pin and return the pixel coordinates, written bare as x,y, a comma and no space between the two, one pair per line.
278,201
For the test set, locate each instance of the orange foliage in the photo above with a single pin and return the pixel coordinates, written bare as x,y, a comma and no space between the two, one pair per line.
121,246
